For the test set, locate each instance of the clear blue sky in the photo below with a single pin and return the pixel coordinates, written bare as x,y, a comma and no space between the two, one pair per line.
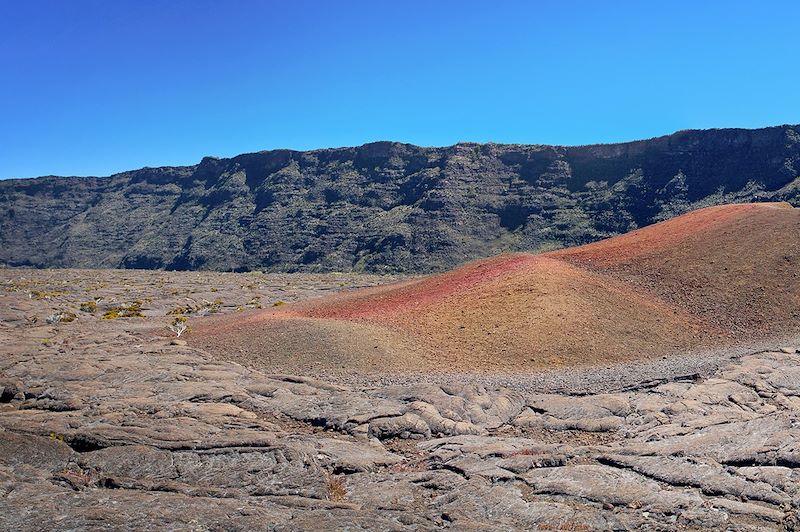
96,87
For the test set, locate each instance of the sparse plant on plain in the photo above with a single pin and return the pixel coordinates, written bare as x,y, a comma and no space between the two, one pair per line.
337,491
133,310
89,306
179,326
61,317
44,294
201,309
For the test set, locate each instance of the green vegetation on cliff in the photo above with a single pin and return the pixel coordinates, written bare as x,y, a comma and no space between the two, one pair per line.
386,207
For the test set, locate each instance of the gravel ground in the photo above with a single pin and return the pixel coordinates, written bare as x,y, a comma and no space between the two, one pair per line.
587,380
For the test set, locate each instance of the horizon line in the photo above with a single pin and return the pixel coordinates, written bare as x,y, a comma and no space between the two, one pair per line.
460,142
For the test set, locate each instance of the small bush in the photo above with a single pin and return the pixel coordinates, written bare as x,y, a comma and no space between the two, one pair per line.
335,487
179,310
62,317
134,310
179,326
89,306
111,314
279,303
201,309
40,294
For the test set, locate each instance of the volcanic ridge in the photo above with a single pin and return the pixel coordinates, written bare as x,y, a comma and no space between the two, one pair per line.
714,277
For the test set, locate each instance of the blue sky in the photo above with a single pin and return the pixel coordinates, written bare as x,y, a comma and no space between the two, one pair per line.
96,87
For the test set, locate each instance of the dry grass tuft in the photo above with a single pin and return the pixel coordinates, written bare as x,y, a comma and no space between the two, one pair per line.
134,310
336,488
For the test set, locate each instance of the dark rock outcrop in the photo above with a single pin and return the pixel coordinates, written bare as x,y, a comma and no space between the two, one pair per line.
386,206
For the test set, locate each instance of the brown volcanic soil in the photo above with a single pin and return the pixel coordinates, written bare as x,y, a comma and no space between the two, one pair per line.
736,266
710,278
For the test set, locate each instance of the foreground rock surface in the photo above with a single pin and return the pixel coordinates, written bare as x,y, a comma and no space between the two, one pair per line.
104,424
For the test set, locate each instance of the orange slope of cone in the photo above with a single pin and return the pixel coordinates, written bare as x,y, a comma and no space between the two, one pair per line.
735,266
706,279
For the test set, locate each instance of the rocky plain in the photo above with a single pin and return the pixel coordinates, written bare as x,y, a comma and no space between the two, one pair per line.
108,420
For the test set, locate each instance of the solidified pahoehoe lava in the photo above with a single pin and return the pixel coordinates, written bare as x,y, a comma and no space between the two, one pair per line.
710,278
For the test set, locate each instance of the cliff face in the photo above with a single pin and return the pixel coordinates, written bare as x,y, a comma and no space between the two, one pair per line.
386,206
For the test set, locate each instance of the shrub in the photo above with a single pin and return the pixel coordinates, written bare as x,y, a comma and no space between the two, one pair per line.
179,326
40,294
335,488
89,306
200,308
62,317
133,310
179,310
